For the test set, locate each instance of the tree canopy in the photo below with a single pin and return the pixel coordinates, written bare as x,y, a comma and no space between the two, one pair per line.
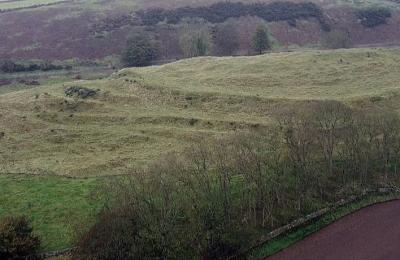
261,40
140,51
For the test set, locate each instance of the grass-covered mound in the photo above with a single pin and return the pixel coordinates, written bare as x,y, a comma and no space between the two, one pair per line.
339,74
139,114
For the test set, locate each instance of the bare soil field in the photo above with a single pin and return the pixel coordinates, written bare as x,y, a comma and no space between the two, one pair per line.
371,233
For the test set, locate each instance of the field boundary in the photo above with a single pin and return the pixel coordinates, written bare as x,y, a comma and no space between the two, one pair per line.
65,176
32,6
310,218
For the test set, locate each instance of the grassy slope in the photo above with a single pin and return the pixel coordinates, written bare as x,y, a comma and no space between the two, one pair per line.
298,75
144,112
55,205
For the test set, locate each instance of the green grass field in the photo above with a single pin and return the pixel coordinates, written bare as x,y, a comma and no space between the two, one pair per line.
54,205
339,74
142,113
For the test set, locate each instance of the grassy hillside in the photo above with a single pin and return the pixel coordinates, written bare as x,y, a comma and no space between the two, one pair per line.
54,205
142,113
298,75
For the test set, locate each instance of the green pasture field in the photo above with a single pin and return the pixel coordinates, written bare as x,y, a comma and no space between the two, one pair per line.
56,206
142,113
55,148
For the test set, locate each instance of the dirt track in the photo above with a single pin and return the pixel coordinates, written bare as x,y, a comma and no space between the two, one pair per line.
371,233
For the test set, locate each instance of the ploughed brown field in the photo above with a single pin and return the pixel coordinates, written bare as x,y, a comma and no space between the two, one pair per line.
372,233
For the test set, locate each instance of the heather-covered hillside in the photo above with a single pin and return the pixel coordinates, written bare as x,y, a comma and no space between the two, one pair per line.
93,29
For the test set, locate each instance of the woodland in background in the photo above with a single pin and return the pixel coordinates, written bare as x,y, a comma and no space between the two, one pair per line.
194,38
220,196
229,29
157,36
220,29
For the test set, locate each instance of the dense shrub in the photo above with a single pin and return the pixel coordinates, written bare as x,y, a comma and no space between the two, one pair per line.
17,240
112,237
217,198
155,219
373,16
220,12
140,50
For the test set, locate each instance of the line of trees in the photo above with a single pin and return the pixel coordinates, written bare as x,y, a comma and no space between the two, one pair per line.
222,28
227,28
9,66
192,37
219,29
218,197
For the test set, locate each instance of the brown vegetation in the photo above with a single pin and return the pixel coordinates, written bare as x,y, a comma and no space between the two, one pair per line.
17,240
217,198
50,34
